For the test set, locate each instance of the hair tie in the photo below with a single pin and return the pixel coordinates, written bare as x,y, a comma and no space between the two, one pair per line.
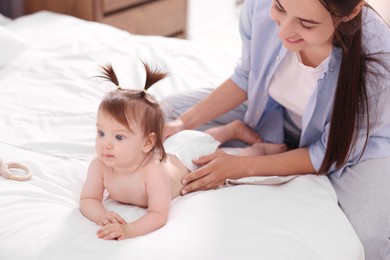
6,173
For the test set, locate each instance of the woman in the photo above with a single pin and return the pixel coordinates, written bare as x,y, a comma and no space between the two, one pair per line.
313,74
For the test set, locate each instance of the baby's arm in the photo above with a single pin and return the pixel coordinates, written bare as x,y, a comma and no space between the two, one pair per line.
92,195
159,200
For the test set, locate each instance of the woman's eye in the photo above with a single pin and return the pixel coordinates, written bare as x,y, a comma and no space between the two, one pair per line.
308,27
119,137
278,7
100,133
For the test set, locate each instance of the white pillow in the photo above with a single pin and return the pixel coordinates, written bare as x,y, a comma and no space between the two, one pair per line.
11,45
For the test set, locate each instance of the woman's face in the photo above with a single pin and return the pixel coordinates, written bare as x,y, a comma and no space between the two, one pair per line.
305,26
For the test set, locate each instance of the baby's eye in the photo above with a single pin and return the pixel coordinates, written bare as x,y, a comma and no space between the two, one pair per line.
119,137
100,133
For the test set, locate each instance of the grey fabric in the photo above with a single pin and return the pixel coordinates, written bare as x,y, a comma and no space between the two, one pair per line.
363,192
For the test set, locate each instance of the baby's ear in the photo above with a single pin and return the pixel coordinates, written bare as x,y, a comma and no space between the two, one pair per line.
150,141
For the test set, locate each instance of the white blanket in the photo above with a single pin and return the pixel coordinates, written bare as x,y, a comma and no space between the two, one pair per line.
48,102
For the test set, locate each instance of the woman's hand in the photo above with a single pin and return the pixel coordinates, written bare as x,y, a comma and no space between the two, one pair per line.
173,127
217,167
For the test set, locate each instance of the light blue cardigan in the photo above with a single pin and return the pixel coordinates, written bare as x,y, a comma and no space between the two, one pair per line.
261,54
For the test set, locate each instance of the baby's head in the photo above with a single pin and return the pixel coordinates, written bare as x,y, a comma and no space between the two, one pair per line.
133,106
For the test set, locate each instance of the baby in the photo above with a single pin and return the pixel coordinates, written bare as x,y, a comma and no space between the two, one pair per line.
132,163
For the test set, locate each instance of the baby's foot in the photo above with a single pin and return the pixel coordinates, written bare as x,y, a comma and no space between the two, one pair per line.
244,133
263,149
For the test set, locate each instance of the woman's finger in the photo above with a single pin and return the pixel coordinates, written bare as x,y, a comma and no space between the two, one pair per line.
205,159
205,183
194,185
201,178
218,167
199,173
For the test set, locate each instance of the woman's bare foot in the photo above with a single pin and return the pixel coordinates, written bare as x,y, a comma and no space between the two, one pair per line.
234,130
263,149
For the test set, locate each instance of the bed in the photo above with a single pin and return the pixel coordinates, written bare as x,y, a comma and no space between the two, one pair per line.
48,102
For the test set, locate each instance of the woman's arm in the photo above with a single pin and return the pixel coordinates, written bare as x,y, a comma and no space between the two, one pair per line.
220,166
222,99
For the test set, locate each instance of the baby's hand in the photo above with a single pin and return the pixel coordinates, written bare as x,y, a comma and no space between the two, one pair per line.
114,231
110,217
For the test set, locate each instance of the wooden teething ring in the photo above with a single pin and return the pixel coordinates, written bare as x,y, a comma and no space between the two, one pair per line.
6,173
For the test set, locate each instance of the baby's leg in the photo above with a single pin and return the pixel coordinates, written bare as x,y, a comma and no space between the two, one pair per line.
256,149
234,130
263,149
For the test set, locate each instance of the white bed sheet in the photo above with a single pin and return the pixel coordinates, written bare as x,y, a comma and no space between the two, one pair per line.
48,101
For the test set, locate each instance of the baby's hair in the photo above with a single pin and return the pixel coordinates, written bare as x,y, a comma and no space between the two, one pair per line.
152,75
109,74
133,105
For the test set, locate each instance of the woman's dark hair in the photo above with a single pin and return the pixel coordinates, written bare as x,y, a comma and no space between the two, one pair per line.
134,105
350,109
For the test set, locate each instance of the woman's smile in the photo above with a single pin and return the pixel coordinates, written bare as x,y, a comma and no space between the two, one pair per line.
294,41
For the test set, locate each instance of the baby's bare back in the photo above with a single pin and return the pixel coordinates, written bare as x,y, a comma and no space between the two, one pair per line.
130,188
176,170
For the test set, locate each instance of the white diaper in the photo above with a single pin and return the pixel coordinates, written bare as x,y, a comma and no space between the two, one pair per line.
188,145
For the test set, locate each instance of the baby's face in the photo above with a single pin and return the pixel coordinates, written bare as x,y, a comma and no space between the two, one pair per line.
115,144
